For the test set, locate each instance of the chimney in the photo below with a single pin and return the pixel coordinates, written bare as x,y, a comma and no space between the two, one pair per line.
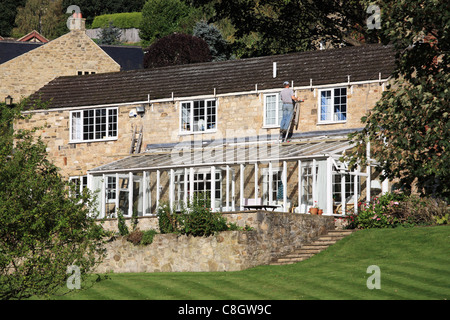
76,22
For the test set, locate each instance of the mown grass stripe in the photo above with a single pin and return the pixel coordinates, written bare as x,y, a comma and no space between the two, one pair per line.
124,289
418,287
414,264
277,285
424,276
202,291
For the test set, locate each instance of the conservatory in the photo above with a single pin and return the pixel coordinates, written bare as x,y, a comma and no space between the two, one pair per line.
269,176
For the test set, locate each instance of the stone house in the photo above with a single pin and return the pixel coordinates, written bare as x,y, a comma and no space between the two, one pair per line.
26,67
146,137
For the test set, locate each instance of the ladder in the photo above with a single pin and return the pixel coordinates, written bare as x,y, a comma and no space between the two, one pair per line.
136,142
295,119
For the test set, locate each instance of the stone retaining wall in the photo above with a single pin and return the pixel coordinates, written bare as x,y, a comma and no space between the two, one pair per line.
274,234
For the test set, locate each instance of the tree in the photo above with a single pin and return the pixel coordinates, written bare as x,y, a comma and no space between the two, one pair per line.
92,8
8,8
220,49
44,16
161,18
44,227
277,27
408,129
176,49
110,35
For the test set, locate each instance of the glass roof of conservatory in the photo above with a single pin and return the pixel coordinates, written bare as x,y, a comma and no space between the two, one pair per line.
189,155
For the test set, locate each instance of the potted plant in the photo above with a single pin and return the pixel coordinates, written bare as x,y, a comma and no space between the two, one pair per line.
314,209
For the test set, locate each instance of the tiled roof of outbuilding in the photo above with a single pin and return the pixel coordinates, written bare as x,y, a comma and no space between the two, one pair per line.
321,67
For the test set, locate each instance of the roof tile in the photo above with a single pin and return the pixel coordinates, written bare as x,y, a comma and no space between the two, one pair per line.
321,67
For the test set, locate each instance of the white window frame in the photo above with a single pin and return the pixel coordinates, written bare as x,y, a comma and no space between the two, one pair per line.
349,181
278,111
333,115
82,183
190,130
80,134
277,180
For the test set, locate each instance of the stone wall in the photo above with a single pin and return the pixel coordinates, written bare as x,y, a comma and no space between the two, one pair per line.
237,116
274,234
126,35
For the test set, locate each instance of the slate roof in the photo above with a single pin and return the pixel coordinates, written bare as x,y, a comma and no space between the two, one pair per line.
11,49
128,57
322,67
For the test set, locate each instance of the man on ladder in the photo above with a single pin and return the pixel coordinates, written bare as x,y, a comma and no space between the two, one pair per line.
287,97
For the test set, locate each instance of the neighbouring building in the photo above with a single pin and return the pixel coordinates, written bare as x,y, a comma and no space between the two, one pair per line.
28,66
33,36
144,137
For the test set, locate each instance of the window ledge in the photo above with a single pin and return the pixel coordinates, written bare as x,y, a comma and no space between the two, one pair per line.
330,122
185,133
89,141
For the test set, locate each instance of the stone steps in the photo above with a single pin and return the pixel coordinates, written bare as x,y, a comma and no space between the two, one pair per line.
310,249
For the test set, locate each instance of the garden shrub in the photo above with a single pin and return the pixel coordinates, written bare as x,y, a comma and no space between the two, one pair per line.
419,211
138,237
135,237
147,237
168,220
125,20
195,219
123,229
394,209
201,221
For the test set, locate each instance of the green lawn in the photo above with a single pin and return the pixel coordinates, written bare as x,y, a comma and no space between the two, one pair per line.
414,264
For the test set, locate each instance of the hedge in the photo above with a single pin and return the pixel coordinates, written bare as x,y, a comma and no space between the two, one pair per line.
125,20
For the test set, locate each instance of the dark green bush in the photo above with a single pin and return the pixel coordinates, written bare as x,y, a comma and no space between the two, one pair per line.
201,221
167,219
196,219
147,237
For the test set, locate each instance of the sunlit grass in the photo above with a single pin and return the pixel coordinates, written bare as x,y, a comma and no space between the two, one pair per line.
414,264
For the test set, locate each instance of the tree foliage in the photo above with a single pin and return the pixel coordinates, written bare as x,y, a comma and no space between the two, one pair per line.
220,49
161,18
267,27
125,20
8,8
44,16
176,49
44,227
110,35
92,8
409,128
